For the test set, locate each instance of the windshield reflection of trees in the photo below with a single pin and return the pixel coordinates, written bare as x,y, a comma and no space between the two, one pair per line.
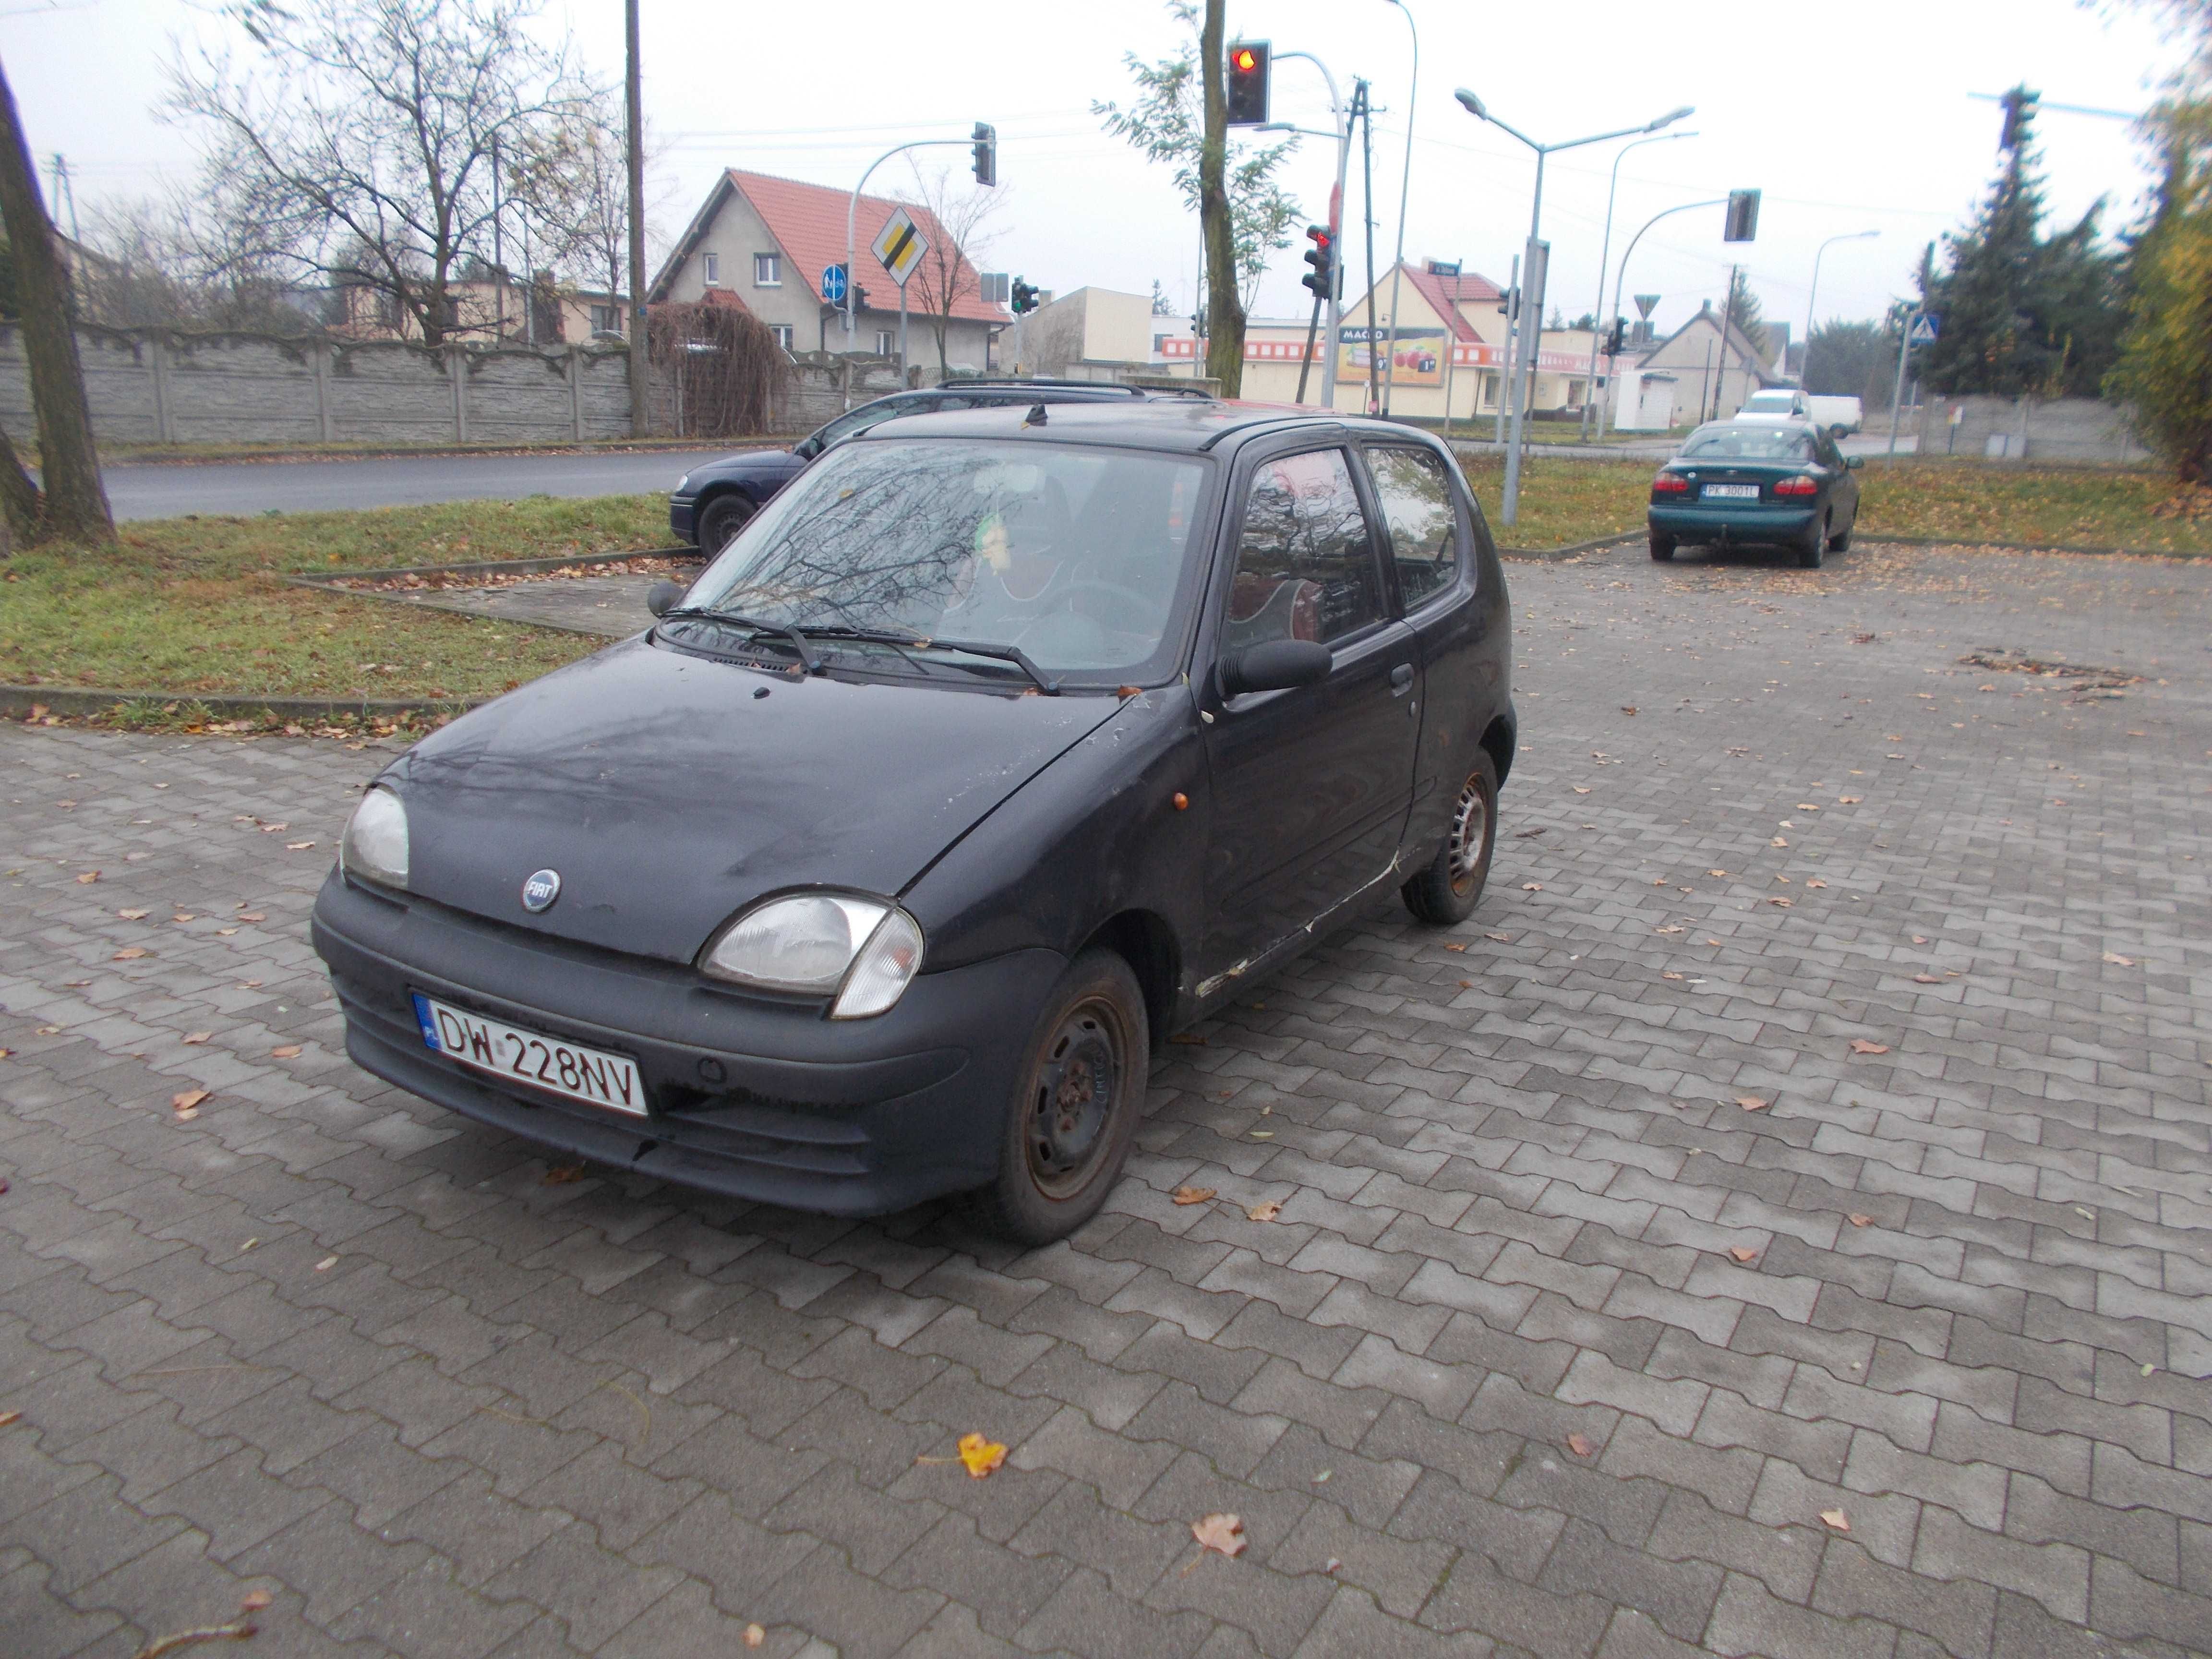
980,541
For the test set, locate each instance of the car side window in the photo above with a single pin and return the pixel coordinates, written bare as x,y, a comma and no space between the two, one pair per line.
1305,566
1422,520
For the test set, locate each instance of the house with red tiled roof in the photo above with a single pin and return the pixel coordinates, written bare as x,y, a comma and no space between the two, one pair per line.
763,243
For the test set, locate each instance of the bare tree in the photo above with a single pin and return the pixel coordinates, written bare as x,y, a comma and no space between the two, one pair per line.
362,153
151,263
74,504
946,275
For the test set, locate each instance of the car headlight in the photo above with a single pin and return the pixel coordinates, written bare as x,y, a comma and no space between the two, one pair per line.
375,843
684,483
864,951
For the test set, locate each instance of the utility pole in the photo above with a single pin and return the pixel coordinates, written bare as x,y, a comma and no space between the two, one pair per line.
641,397
1367,211
1405,189
64,191
498,256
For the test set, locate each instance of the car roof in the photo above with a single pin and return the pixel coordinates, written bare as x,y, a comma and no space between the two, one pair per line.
1171,421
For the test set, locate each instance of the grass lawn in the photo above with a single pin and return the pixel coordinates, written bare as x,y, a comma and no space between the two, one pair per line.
197,604
1565,500
186,605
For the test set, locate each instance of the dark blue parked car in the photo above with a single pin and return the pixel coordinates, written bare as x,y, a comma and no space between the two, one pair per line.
711,503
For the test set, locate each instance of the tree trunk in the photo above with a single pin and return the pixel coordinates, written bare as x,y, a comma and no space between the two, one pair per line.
75,506
1225,316
21,508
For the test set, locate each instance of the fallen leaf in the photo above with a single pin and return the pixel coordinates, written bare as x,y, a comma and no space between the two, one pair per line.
1837,1519
254,1601
1743,1253
326,1264
297,846
249,985
1628,708
1779,903
980,1455
272,828
1717,873
1668,974
1466,985
88,878
6,1418
561,1174
1919,939
1858,1220
1188,1039
1848,800
1579,790
1668,930
253,915
289,1051
1267,1210
755,1636
1816,883
1779,841
1860,1046
2114,957
132,915
1263,1134
1753,1102
130,953
1192,1194
184,916
199,1036
4,1053
1926,978
1580,1445
1224,1533
225,932
1456,947
1503,938
1532,886
189,1099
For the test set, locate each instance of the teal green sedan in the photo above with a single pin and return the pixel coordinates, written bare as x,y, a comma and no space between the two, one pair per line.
1774,483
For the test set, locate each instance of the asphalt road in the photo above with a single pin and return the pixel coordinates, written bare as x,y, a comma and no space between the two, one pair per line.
171,490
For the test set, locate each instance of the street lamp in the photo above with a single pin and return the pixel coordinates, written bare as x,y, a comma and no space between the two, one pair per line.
1605,253
1343,138
1620,276
1525,338
1805,375
1404,185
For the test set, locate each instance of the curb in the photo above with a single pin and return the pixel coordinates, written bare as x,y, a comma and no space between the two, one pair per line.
295,456
17,701
2028,547
1545,555
331,579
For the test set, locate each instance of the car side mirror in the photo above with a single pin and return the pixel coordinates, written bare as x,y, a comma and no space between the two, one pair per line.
664,597
1275,665
1855,462
807,448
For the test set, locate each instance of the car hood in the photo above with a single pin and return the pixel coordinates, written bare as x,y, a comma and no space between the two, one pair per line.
746,460
669,790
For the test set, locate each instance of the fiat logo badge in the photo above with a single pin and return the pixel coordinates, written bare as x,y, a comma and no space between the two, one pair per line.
540,890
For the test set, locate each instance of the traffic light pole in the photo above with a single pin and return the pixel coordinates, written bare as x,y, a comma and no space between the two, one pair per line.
852,214
1343,137
1605,252
1620,276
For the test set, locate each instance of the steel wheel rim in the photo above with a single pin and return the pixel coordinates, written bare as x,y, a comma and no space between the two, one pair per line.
1069,1110
1470,831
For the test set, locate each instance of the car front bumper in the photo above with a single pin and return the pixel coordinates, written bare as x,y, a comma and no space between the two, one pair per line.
1752,521
758,1099
682,519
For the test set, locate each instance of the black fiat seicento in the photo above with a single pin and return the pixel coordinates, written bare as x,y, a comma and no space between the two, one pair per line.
998,746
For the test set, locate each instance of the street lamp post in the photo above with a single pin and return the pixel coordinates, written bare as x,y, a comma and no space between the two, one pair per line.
1523,352
1805,375
1405,187
1343,138
1605,253
1620,276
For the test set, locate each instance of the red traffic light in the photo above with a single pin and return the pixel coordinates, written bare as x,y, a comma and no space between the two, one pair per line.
1246,93
1244,60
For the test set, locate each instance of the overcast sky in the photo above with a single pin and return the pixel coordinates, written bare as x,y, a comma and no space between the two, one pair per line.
1849,117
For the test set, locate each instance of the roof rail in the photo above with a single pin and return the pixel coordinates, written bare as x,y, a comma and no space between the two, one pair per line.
1025,380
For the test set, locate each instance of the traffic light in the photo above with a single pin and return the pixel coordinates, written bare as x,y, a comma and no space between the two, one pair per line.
1742,217
986,153
1615,336
860,299
1321,281
1248,83
1024,297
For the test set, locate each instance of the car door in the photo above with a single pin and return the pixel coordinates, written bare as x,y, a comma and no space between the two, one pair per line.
1311,786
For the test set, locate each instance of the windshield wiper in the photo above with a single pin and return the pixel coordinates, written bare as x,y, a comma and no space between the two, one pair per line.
708,613
1012,653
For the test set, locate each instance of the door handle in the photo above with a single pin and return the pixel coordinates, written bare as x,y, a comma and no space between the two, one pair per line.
1401,679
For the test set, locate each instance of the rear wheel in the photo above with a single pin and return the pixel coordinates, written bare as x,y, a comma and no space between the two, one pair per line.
1449,889
1075,1108
1809,550
720,521
1663,548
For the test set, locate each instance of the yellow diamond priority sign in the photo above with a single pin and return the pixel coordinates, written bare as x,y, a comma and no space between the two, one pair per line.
899,246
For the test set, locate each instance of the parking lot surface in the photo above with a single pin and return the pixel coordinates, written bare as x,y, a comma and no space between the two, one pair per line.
1775,1225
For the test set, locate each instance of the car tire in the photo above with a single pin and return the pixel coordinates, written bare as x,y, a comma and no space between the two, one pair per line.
721,520
1843,543
1809,550
1448,891
1663,548
1080,1094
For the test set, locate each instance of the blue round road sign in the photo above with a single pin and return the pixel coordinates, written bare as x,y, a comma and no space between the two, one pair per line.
832,282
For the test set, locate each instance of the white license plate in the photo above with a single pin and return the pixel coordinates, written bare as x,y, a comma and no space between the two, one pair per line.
1732,492
509,1052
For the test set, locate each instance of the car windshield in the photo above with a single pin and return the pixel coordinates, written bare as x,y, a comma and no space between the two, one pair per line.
1769,402
1748,443
1076,557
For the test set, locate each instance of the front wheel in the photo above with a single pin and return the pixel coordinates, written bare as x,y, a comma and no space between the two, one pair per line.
1080,1092
1448,891
718,525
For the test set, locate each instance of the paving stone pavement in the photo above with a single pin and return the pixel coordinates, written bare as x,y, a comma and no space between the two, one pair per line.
1558,1348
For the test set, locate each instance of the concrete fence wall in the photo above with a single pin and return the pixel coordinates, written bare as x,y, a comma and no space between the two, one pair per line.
1984,427
151,385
